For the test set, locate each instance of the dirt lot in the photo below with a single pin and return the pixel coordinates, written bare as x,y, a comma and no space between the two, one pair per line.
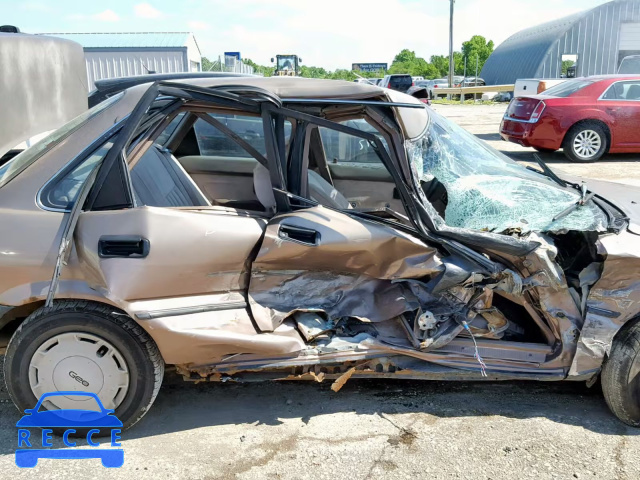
373,429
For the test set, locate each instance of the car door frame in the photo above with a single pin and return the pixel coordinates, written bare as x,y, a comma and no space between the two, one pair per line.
616,108
123,149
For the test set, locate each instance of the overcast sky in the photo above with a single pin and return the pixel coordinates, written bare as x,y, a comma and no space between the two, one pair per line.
328,33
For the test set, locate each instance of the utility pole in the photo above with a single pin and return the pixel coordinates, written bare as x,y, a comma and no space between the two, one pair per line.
477,61
451,64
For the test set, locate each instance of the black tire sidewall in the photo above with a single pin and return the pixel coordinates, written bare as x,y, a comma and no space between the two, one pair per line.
573,133
28,339
620,387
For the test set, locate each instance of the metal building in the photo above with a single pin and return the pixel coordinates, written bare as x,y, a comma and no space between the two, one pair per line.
110,55
597,40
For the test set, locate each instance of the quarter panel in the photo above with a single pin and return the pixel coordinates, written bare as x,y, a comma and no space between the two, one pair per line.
618,292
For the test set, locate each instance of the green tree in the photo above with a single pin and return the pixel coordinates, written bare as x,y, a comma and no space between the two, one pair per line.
207,65
259,69
565,66
477,47
441,64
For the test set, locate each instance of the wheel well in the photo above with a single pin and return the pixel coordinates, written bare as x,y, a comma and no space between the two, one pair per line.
17,315
12,319
625,326
600,123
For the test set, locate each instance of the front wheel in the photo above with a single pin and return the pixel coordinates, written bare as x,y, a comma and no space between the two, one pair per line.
585,142
621,375
85,347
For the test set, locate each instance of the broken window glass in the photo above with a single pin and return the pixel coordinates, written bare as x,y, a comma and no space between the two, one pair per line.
487,191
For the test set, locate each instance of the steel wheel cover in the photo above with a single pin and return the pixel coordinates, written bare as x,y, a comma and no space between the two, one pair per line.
79,362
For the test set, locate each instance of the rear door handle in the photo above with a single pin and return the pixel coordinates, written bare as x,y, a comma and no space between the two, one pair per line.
123,246
305,236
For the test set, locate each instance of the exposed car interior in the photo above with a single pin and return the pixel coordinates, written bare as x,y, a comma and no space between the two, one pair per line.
193,163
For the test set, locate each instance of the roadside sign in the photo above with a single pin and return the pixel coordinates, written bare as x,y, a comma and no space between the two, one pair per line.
369,67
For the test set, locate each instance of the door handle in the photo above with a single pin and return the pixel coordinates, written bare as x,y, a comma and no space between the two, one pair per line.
301,235
123,246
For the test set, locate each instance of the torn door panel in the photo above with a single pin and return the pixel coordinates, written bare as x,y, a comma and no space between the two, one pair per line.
613,300
339,264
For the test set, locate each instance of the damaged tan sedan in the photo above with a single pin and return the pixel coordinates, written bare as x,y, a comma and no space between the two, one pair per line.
287,228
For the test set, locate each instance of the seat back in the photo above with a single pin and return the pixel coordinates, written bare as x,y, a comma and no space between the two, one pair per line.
160,181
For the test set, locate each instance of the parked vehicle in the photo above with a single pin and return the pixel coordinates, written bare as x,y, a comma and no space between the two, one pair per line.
417,79
437,83
586,117
400,83
473,82
287,65
369,238
630,65
534,86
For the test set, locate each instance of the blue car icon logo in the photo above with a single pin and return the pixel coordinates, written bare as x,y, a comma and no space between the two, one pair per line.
70,420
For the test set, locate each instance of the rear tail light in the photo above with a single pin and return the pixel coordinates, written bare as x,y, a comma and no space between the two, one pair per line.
542,86
413,84
537,112
435,86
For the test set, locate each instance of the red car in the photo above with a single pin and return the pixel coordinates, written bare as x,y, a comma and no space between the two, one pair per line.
586,117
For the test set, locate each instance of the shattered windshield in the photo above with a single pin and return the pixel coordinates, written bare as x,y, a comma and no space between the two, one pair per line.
472,186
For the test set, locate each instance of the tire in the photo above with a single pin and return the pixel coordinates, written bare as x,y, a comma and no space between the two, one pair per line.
585,142
621,375
117,341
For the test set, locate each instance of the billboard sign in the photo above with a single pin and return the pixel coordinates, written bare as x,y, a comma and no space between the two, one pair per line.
368,67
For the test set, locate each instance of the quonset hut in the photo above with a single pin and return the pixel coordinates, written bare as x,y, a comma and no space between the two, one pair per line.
597,40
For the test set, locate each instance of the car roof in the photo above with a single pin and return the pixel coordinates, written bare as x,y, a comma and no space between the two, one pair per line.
122,83
296,87
613,77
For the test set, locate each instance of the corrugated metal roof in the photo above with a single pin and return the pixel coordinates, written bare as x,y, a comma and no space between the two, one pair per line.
127,39
520,55
592,36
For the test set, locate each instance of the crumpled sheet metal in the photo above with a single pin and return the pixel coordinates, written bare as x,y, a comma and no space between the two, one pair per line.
275,295
348,272
618,290
206,338
347,245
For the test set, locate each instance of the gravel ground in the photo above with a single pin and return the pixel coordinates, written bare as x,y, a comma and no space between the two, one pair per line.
372,429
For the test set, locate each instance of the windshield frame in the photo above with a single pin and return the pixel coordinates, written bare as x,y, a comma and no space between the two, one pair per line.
526,174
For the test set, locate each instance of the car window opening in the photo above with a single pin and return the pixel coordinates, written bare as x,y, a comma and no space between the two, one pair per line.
471,186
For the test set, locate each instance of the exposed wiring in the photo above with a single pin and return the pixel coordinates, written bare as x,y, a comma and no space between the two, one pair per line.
483,366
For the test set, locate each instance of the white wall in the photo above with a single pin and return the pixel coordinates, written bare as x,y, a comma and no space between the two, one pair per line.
629,36
111,64
193,54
